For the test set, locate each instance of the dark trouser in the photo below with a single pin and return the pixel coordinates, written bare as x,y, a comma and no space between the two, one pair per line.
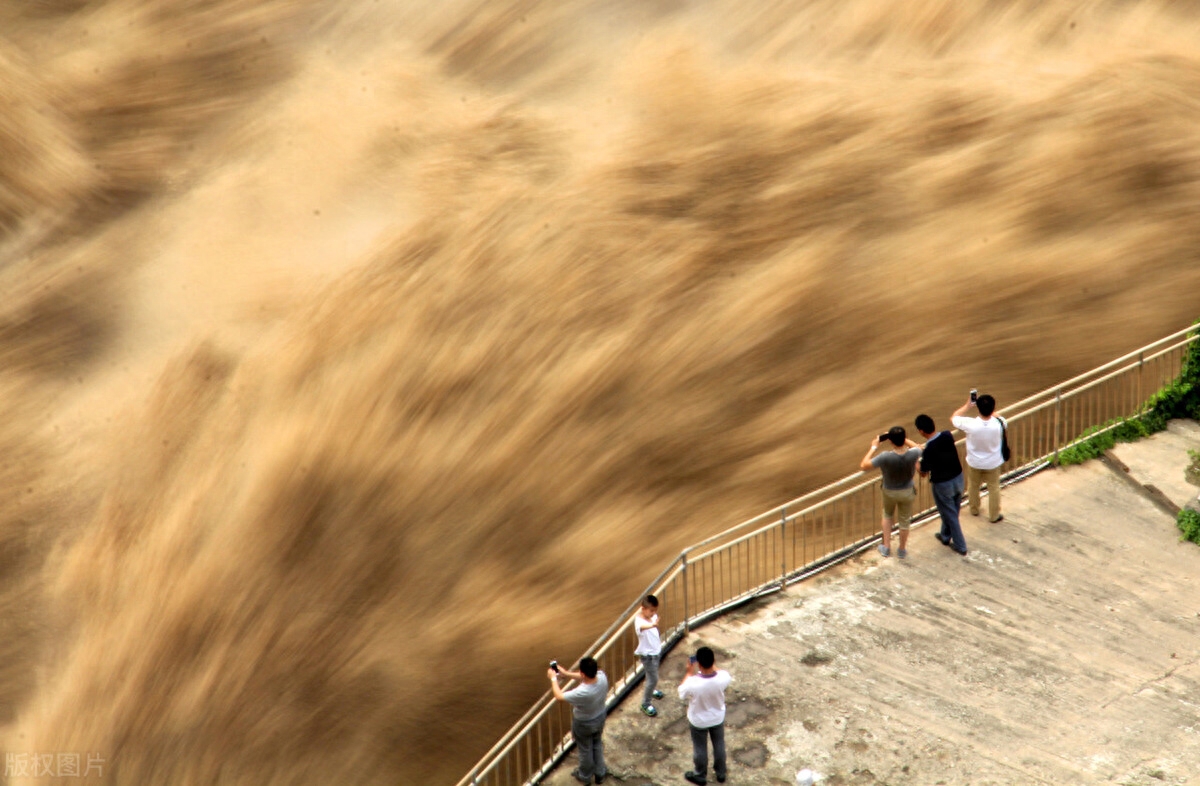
947,495
700,749
589,741
650,666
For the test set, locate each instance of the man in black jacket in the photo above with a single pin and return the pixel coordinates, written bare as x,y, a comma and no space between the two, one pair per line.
940,463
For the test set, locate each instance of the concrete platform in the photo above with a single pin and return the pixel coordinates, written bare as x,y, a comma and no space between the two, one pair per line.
1160,461
1064,649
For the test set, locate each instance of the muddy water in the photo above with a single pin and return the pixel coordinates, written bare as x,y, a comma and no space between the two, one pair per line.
357,361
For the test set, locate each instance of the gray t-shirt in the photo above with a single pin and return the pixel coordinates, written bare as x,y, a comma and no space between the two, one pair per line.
587,701
897,469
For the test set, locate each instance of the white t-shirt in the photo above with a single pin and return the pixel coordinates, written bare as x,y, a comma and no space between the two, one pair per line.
706,698
647,634
983,441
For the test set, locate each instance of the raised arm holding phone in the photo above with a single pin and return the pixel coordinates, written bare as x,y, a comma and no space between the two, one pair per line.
896,457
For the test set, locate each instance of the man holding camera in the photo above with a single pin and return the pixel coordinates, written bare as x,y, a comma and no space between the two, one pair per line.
588,712
703,688
985,456
898,465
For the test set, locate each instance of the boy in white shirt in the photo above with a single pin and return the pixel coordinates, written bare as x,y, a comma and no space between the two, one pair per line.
703,687
649,649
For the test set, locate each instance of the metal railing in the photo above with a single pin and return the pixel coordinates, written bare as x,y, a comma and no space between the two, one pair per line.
789,542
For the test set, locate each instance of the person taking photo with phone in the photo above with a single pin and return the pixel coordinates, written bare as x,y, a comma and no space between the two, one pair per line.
703,688
896,457
985,456
588,712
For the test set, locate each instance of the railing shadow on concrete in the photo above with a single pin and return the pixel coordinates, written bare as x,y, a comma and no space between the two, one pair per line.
816,530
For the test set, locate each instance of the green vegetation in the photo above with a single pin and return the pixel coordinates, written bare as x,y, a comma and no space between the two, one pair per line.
1188,522
1180,399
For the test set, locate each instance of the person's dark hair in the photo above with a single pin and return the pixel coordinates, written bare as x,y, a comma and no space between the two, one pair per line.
896,434
705,657
986,404
651,601
587,667
924,424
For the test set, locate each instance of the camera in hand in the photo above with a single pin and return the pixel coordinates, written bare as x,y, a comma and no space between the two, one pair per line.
974,395
883,437
554,665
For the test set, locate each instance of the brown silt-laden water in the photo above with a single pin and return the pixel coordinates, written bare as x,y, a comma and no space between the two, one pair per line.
358,358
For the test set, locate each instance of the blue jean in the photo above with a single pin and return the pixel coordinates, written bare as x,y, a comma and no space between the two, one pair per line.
589,741
700,749
948,496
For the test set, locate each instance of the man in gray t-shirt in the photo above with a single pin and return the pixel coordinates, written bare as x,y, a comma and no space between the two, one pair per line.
588,711
898,465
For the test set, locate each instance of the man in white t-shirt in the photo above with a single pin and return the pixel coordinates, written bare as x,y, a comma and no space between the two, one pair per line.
703,688
649,649
985,436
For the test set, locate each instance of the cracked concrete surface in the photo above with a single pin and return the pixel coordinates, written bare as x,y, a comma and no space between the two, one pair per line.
1064,649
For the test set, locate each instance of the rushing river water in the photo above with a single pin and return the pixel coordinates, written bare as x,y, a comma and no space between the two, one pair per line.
358,358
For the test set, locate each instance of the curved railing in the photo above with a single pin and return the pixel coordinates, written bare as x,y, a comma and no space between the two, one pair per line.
789,542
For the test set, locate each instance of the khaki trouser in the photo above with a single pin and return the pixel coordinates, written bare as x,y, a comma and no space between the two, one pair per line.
898,504
976,477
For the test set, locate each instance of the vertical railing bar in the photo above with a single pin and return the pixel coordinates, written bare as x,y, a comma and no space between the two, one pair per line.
783,549
1057,418
726,572
686,616
735,568
1141,364
714,566
739,565
541,749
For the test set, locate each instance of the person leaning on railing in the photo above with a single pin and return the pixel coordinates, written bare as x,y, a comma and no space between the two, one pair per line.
588,711
985,437
898,467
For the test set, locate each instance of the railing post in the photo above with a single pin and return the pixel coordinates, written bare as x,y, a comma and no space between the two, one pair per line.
783,548
1057,422
1141,402
686,616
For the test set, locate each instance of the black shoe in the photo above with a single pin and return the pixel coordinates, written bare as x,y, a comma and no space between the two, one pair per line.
692,777
577,775
945,541
962,553
720,779
600,778
998,519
